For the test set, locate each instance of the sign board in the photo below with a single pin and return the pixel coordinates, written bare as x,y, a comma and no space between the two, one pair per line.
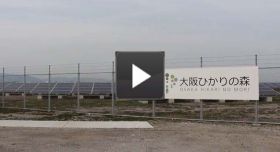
219,83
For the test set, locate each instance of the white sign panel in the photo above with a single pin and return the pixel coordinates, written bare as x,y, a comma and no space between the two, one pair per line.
219,83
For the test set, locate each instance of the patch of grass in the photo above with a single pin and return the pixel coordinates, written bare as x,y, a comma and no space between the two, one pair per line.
131,104
70,104
83,117
10,110
62,117
178,114
229,114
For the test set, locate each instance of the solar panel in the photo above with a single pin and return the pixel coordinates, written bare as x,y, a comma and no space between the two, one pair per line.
273,85
43,88
6,84
266,93
28,87
85,88
102,88
1,86
264,85
12,87
268,89
63,88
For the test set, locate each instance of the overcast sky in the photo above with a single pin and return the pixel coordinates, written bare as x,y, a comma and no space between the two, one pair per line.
71,31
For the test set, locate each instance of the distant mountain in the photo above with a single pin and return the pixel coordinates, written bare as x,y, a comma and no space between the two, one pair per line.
82,79
19,78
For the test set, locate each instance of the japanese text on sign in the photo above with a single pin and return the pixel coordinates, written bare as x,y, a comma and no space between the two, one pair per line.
227,83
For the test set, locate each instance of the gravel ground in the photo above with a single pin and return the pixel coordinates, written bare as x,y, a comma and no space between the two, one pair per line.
165,137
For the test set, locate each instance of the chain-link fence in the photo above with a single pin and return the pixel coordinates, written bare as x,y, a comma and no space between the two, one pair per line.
90,88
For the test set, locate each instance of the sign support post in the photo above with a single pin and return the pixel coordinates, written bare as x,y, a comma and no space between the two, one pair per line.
153,108
3,88
201,101
78,87
256,122
49,90
113,89
24,92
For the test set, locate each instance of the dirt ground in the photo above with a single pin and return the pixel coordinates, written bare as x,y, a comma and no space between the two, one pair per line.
165,137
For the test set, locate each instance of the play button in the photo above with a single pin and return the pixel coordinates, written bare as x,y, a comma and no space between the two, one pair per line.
140,75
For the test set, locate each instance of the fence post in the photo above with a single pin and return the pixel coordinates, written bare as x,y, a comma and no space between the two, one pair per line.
201,61
113,88
256,122
154,108
3,88
78,87
201,101
49,90
24,88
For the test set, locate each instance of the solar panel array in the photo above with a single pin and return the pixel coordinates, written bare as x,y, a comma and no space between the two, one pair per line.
43,88
13,87
272,85
90,88
85,88
10,87
63,88
29,87
102,88
269,89
1,86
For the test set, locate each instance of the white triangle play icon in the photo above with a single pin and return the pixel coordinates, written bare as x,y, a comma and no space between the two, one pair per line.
138,76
